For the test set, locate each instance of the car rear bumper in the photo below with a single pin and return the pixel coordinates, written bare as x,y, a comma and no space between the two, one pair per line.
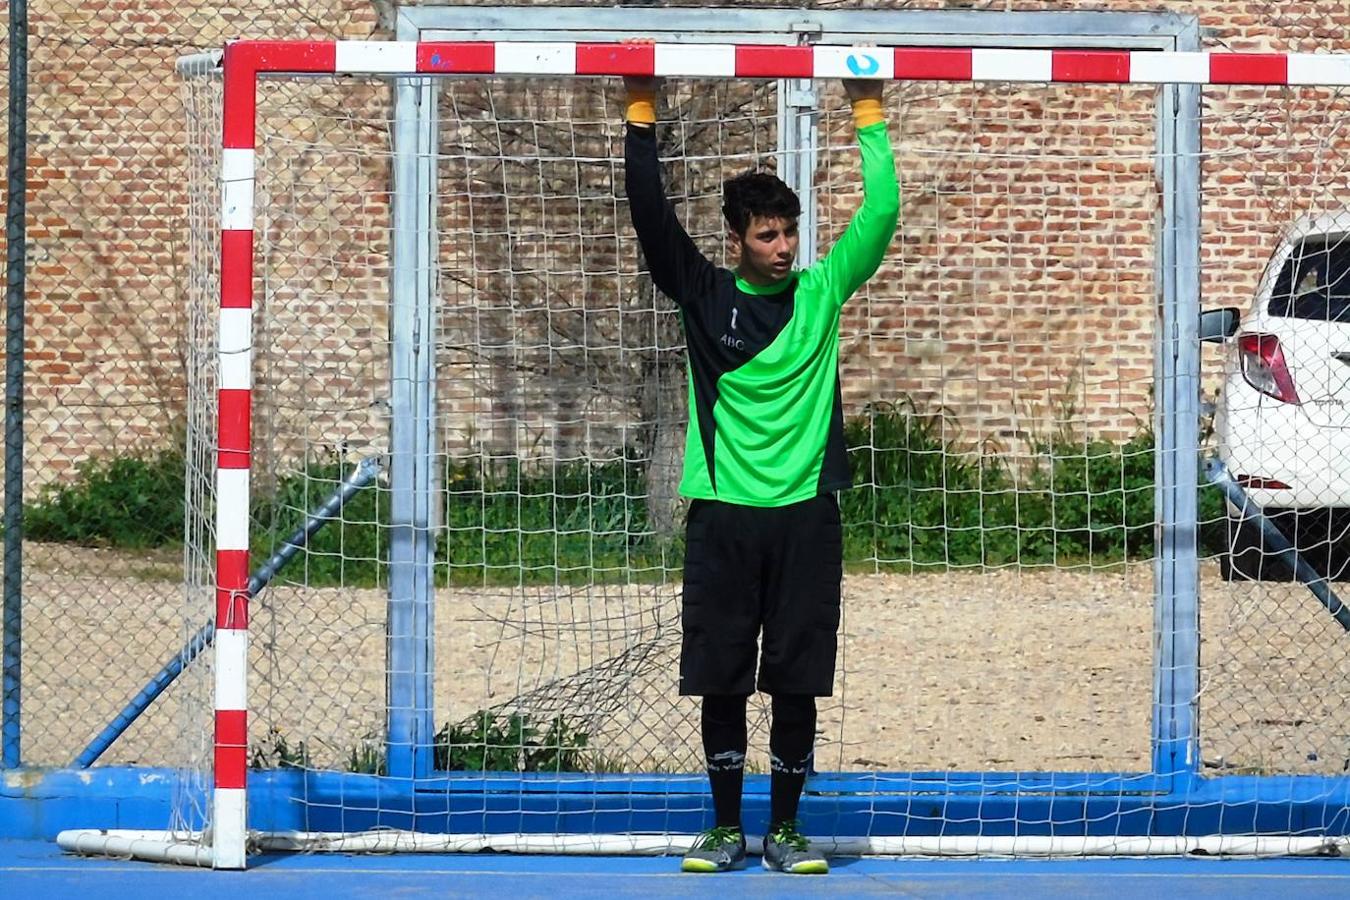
1275,441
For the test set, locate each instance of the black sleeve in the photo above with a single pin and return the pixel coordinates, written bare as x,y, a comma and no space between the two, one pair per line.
678,269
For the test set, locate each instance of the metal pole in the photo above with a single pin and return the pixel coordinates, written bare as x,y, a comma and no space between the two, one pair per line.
361,476
15,258
1177,614
411,727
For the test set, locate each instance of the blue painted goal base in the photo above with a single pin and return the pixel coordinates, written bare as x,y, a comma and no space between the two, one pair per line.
36,804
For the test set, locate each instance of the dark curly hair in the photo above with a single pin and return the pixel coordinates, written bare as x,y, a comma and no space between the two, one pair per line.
760,194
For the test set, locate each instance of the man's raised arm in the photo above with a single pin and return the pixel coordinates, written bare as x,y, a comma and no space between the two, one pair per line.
677,268
861,248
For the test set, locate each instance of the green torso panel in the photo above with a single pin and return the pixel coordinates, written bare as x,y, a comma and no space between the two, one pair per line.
766,417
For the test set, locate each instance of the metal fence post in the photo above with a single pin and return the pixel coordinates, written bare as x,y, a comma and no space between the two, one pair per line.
15,258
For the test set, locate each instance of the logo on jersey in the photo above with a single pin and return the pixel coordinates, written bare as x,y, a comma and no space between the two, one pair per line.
730,340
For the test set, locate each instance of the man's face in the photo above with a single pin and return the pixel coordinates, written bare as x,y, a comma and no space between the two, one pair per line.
768,249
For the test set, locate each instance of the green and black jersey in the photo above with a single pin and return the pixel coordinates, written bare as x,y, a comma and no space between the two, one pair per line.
766,424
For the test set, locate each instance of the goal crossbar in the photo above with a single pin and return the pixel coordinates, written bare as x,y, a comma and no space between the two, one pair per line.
246,59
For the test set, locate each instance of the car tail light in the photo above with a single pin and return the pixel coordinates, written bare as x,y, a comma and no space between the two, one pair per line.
1259,482
1264,368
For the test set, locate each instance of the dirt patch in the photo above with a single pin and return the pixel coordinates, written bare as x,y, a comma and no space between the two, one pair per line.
966,671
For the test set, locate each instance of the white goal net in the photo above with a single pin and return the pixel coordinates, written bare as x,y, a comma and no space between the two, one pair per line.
491,342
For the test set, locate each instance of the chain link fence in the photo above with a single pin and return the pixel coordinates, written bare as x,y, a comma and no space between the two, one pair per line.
106,363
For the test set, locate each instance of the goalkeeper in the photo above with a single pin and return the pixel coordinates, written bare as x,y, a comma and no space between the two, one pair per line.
763,459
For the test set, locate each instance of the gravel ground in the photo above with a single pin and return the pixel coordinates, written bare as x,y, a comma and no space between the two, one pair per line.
977,670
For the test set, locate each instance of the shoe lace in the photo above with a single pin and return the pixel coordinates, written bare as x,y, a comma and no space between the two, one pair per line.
787,834
716,837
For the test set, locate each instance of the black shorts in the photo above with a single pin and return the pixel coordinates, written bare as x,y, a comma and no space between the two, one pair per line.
775,568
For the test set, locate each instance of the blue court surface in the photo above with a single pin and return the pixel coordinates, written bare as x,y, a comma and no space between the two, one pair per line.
33,869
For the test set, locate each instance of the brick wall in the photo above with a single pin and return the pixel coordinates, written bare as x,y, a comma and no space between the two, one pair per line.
106,213
986,332
1017,299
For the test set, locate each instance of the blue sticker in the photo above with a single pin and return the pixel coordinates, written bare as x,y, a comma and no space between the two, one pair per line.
435,59
855,64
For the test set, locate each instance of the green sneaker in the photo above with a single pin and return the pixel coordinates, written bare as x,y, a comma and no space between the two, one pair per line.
719,850
786,850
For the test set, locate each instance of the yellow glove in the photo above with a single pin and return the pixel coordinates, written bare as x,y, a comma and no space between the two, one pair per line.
641,107
865,112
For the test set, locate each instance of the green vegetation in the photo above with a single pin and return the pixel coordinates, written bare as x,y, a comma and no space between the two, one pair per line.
925,500
367,757
275,752
133,502
489,742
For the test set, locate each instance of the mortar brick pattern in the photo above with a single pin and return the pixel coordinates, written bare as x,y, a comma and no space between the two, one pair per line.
106,203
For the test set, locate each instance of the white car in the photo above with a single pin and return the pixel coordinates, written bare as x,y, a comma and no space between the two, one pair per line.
1282,421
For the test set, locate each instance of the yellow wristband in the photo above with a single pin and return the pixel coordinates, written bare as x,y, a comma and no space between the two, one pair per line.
866,112
641,109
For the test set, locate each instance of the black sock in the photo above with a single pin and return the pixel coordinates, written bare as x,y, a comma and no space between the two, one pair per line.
792,737
724,749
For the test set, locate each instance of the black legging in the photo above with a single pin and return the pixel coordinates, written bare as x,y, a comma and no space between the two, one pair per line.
724,750
791,739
